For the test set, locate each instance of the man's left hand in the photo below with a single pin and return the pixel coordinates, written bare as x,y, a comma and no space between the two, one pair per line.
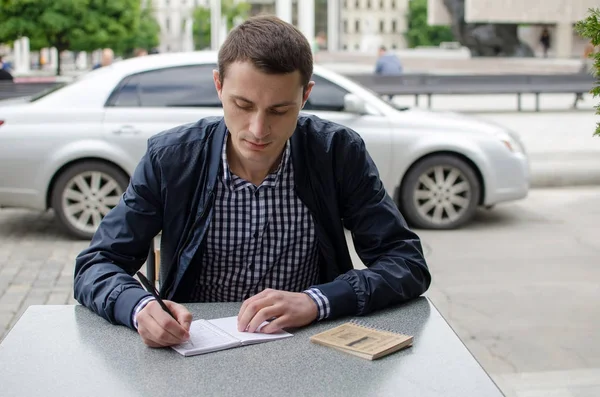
290,309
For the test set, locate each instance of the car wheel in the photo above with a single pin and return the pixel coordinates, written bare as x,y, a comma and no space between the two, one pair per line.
84,193
440,192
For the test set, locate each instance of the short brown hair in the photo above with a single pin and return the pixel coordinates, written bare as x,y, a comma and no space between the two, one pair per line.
271,45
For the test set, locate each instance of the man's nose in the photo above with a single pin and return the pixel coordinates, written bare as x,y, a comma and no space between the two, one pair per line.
258,125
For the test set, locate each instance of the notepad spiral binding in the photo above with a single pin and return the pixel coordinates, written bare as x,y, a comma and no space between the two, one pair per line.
364,324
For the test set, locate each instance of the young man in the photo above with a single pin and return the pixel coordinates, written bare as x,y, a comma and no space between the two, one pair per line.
4,74
252,208
388,63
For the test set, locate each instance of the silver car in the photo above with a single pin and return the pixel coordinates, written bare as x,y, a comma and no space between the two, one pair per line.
73,148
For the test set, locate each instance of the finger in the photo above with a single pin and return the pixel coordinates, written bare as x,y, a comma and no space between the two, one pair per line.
276,325
162,328
166,331
145,326
250,300
262,315
181,313
250,311
151,343
167,322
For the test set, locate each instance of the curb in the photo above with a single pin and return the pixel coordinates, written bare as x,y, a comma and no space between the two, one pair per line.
546,174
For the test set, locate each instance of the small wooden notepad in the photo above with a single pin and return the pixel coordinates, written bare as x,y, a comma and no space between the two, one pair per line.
362,340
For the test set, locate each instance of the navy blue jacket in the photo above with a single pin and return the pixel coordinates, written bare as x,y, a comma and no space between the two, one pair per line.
173,190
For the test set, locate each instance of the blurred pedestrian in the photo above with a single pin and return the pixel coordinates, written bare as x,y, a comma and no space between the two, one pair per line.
587,63
140,52
319,44
545,41
4,73
106,59
388,63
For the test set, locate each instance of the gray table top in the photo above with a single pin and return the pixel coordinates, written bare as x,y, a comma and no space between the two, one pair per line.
69,351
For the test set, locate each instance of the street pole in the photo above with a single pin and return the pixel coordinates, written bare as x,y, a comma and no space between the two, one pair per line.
215,24
283,10
306,18
333,25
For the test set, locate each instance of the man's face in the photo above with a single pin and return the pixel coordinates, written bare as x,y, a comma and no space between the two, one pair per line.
260,110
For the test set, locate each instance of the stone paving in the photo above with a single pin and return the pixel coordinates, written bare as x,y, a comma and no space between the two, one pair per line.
36,263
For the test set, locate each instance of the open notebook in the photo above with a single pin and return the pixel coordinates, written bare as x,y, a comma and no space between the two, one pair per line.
219,334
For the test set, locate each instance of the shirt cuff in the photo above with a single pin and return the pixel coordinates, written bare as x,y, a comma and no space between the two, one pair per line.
322,302
138,308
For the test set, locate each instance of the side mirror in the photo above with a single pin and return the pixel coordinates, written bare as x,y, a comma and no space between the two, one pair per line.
354,104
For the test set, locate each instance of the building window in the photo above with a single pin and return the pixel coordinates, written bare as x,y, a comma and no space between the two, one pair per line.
345,26
369,4
357,26
381,4
393,46
357,4
393,4
394,28
356,47
168,25
382,26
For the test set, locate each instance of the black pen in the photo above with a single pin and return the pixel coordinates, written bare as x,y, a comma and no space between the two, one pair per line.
150,288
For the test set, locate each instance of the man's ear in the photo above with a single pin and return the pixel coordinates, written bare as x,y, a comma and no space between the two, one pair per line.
218,85
307,92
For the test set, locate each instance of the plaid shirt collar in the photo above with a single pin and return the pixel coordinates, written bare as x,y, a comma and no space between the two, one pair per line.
234,182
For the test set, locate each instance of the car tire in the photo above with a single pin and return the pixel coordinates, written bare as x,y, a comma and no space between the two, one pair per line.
440,192
84,193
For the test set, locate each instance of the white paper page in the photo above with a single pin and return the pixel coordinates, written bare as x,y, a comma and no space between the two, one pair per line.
203,340
229,325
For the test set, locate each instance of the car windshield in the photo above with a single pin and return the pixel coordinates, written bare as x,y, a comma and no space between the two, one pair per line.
386,99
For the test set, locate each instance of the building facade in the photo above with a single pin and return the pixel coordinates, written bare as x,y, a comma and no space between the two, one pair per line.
171,15
352,25
367,24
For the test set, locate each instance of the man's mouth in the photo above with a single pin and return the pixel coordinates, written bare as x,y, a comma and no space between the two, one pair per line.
257,146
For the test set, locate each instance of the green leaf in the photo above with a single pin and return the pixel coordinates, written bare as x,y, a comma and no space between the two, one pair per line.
79,25
590,28
419,33
201,17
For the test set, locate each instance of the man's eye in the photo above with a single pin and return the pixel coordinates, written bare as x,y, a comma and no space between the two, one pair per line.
277,113
245,108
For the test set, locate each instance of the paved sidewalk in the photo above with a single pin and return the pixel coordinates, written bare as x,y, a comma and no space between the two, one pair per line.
36,264
525,306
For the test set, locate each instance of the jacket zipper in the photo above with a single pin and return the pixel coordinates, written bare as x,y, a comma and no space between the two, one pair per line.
186,243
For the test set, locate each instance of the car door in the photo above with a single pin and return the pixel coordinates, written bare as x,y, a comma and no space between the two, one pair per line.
327,101
145,104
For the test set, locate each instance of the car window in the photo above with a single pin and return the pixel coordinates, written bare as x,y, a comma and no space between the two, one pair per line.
187,86
128,92
325,96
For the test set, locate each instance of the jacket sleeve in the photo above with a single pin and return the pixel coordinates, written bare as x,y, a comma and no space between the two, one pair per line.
396,268
104,271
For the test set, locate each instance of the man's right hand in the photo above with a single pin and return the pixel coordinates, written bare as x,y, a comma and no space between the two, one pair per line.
158,329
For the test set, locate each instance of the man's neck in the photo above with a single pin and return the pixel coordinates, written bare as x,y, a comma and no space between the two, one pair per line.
254,173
